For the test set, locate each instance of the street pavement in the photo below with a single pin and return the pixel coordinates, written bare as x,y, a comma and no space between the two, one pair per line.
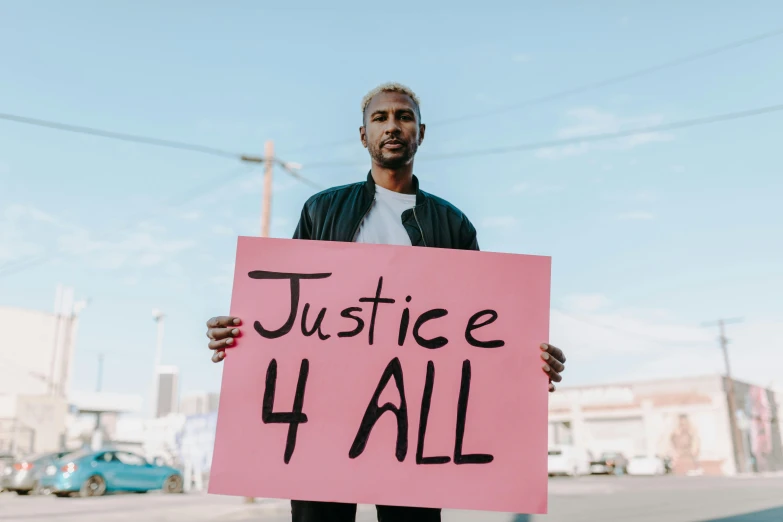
585,499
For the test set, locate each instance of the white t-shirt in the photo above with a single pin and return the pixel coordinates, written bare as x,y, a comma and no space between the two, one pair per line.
383,223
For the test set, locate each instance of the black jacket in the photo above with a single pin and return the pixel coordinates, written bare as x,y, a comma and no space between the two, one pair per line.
335,215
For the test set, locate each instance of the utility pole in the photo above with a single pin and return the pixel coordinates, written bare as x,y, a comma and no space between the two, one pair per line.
158,317
99,384
266,202
739,453
269,160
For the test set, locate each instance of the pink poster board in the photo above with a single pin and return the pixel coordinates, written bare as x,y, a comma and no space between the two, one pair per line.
315,411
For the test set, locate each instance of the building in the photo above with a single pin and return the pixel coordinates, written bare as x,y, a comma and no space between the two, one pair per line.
199,403
36,359
167,396
685,419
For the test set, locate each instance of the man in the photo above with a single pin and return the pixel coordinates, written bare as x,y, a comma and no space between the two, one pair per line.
387,208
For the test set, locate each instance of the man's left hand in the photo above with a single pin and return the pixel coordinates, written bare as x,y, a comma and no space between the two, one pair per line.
554,363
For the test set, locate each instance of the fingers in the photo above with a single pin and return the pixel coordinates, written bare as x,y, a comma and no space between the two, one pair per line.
222,331
551,387
217,334
223,321
221,345
552,362
554,351
553,375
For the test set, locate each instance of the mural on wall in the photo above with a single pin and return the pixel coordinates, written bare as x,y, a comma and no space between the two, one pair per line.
761,428
693,441
685,446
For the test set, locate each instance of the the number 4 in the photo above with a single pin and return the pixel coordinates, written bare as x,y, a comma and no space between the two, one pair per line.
293,418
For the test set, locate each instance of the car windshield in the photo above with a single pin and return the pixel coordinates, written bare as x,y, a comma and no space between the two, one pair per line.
76,455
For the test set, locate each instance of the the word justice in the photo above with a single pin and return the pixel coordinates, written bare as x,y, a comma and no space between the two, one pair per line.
478,320
374,411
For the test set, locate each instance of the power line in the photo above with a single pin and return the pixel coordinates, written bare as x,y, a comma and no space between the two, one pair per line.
588,86
584,139
147,140
616,79
120,136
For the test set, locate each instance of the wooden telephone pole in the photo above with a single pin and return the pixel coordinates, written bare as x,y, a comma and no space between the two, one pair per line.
736,434
266,202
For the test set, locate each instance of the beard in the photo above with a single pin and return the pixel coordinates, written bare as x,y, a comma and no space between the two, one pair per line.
393,159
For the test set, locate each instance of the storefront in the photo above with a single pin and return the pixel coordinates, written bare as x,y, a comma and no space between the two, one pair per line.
686,420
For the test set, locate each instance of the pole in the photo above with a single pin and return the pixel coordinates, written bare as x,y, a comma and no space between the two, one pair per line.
98,387
739,453
266,202
100,373
58,304
158,316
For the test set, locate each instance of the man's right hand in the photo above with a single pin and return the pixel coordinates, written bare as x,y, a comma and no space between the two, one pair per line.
222,331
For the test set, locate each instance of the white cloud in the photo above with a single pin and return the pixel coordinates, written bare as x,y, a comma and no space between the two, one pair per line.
521,58
139,248
636,216
589,121
519,187
678,168
604,343
585,302
27,232
499,221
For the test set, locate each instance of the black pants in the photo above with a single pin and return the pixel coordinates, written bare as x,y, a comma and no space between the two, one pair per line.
307,511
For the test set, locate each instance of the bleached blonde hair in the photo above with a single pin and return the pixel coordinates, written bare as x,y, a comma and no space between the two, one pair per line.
390,87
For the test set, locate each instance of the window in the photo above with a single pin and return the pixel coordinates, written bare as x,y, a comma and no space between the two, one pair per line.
130,459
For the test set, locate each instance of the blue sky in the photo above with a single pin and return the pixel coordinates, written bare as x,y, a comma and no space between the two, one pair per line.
650,235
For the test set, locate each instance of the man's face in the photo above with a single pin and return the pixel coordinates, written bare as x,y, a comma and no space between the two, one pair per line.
391,131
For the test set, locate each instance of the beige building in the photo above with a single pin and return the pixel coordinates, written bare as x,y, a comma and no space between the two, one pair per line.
36,359
684,419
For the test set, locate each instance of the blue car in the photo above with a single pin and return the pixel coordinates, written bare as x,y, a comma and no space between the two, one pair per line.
94,473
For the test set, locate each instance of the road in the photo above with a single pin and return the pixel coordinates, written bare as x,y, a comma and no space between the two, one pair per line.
587,499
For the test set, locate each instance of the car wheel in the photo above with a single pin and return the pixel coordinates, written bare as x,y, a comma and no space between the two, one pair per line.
173,484
61,494
94,486
22,492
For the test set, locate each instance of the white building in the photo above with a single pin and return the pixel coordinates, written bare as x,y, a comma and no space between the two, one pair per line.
167,396
199,403
685,419
36,359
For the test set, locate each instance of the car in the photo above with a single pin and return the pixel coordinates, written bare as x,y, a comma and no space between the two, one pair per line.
609,463
568,460
91,473
647,465
6,466
22,476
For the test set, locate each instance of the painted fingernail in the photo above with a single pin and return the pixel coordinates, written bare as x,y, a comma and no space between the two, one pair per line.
546,367
543,346
235,331
229,341
545,356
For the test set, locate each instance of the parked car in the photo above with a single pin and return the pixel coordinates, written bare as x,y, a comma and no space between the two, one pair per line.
647,465
23,476
94,473
609,463
6,465
568,460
